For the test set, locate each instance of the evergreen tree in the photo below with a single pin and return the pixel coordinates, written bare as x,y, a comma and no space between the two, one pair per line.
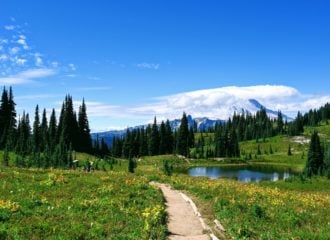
3,106
5,118
36,136
163,139
280,122
289,150
131,165
84,138
234,145
259,150
12,131
44,131
315,163
327,160
154,139
270,149
143,143
68,125
183,134
104,148
191,137
52,131
6,157
169,137
24,131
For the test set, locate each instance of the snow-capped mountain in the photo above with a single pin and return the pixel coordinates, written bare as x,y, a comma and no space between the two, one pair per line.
251,106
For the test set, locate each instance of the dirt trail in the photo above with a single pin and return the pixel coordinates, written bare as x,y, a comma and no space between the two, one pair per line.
183,223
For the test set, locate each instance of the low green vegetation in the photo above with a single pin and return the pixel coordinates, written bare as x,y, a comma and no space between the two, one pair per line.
292,209
66,204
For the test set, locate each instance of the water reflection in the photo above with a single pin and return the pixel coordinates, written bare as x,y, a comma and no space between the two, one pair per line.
241,173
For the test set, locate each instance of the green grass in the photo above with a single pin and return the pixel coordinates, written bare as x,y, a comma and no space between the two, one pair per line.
63,204
269,210
280,146
112,204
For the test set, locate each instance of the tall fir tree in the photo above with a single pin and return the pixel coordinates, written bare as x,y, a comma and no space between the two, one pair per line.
154,139
183,135
52,131
4,118
280,123
143,143
36,136
163,139
84,138
44,143
315,163
169,137
69,125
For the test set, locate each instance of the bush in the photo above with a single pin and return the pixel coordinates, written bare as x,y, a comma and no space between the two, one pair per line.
167,167
258,211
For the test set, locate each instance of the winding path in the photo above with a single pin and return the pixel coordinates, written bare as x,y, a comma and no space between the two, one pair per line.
185,222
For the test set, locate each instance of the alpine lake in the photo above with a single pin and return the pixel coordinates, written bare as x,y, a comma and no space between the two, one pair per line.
243,173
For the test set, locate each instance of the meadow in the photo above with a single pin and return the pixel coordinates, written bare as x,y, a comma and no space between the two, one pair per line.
111,203
67,204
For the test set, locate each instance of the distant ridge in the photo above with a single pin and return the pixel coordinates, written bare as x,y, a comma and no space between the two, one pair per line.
203,123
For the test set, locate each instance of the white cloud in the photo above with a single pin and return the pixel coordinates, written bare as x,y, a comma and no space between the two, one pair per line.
54,64
14,50
9,27
217,103
38,59
72,67
70,75
27,76
22,41
154,66
21,61
3,57
35,96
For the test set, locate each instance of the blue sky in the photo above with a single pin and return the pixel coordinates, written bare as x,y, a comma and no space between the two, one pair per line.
125,56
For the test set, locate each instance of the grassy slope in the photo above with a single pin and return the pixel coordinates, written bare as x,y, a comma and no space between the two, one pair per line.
59,204
297,208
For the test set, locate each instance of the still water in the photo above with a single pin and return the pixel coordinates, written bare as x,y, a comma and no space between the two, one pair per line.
242,173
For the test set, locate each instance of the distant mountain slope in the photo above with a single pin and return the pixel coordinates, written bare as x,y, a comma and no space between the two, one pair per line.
251,106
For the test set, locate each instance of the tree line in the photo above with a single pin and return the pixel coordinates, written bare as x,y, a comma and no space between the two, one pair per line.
47,143
155,140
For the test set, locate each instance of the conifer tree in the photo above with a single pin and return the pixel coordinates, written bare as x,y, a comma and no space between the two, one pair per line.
36,136
131,165
169,137
191,137
234,145
315,163
183,134
4,118
24,132
52,131
163,139
6,157
143,143
44,131
84,138
69,124
154,139
289,150
327,160
280,122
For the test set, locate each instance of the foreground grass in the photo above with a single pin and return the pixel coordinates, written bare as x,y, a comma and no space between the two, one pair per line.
59,204
296,208
281,210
